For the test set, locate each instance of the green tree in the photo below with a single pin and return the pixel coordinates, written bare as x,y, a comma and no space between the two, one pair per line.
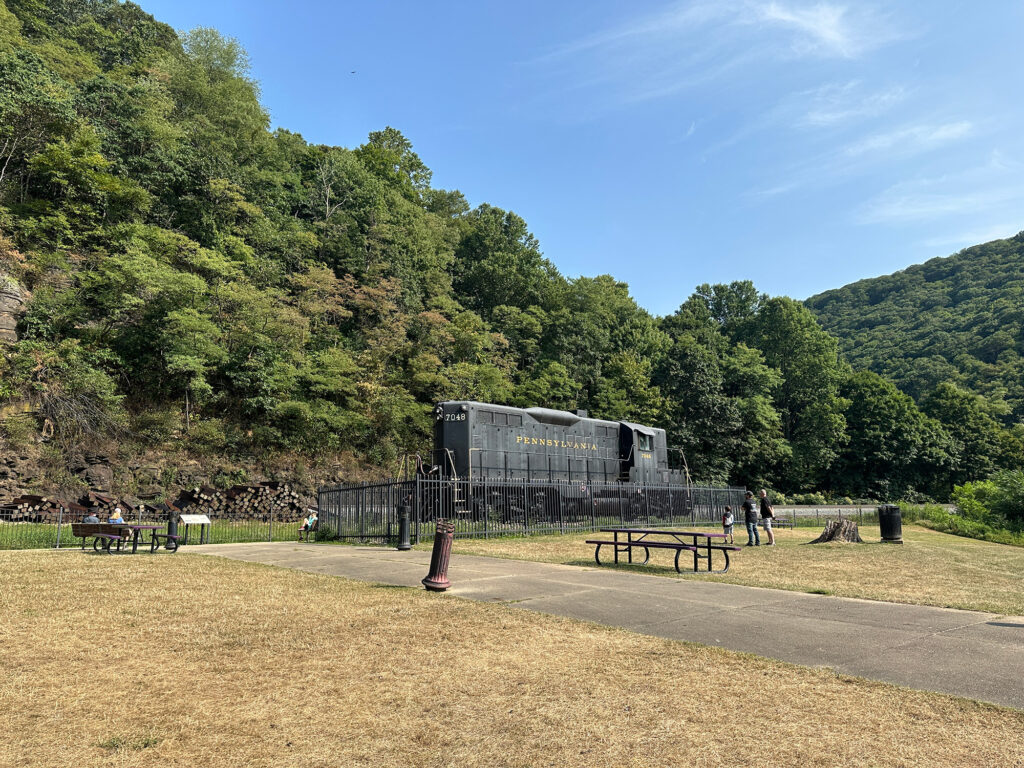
807,398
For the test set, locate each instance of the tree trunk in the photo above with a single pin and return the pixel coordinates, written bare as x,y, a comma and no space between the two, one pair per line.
839,530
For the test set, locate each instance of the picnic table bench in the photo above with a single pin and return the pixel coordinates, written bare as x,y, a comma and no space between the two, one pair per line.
700,543
102,534
171,545
105,535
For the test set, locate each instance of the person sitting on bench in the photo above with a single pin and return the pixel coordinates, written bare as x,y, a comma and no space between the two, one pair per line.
115,517
90,518
308,525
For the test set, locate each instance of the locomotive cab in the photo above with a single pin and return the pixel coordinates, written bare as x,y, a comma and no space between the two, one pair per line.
452,423
638,449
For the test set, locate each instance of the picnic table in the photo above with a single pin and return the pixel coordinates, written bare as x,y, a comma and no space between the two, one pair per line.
701,543
137,531
105,535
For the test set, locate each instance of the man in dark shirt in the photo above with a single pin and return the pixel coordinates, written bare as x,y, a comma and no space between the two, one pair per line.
750,517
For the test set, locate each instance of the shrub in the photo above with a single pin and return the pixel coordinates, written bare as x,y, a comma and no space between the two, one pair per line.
327,533
940,520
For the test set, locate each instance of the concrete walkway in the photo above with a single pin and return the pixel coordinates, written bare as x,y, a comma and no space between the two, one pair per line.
977,655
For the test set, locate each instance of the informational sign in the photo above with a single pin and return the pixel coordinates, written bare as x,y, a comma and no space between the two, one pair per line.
195,519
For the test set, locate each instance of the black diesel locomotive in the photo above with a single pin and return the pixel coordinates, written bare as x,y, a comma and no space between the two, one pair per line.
479,440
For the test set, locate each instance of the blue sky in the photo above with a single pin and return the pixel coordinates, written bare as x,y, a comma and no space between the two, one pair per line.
800,145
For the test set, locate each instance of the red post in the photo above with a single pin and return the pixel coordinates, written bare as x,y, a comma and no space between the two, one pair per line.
437,579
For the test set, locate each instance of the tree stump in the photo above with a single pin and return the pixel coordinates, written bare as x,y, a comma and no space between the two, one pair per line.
839,530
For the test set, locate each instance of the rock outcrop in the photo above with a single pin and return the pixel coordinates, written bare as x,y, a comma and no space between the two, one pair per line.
12,301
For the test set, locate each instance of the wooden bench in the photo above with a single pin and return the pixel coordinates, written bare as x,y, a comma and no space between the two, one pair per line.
782,522
172,542
313,530
102,534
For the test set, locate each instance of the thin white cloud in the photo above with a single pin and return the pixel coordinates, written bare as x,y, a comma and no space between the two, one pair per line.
911,138
843,103
969,194
963,239
691,43
828,29
836,165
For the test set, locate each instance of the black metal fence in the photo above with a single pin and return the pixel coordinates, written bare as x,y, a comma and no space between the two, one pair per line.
484,508
54,532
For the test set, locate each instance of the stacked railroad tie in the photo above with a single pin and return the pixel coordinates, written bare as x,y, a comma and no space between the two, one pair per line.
262,502
30,508
103,506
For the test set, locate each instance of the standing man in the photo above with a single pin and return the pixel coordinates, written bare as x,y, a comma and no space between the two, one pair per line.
767,513
750,517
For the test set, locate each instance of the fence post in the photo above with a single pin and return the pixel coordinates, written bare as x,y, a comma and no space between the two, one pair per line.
60,525
593,507
526,510
417,507
559,488
622,518
487,505
671,513
270,532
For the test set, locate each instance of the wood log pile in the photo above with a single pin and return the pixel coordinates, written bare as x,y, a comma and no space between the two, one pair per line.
103,506
261,502
30,508
243,502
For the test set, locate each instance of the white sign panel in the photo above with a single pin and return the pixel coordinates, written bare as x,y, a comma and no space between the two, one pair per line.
190,519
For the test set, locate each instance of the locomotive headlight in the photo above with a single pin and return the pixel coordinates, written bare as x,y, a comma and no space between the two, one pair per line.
463,407
438,413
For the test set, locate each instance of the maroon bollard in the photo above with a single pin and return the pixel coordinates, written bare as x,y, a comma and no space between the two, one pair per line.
437,579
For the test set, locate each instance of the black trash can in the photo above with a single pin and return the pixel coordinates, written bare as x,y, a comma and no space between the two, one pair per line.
891,522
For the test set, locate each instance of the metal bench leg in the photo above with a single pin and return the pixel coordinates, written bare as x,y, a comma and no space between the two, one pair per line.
726,553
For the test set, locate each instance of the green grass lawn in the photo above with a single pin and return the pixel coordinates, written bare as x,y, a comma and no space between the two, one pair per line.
929,568
45,535
203,661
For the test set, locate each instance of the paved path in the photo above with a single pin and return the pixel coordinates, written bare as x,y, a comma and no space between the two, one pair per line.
977,655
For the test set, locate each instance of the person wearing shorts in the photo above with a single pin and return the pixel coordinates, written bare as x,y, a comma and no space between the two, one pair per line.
727,523
767,513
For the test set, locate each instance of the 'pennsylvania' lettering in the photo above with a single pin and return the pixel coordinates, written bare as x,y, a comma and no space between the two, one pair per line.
574,444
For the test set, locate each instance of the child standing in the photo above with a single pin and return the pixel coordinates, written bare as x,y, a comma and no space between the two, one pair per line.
727,521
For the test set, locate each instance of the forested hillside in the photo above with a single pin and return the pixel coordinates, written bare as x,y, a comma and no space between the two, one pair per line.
958,319
180,281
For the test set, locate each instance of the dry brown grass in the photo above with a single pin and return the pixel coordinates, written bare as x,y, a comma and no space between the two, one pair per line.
196,661
930,568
